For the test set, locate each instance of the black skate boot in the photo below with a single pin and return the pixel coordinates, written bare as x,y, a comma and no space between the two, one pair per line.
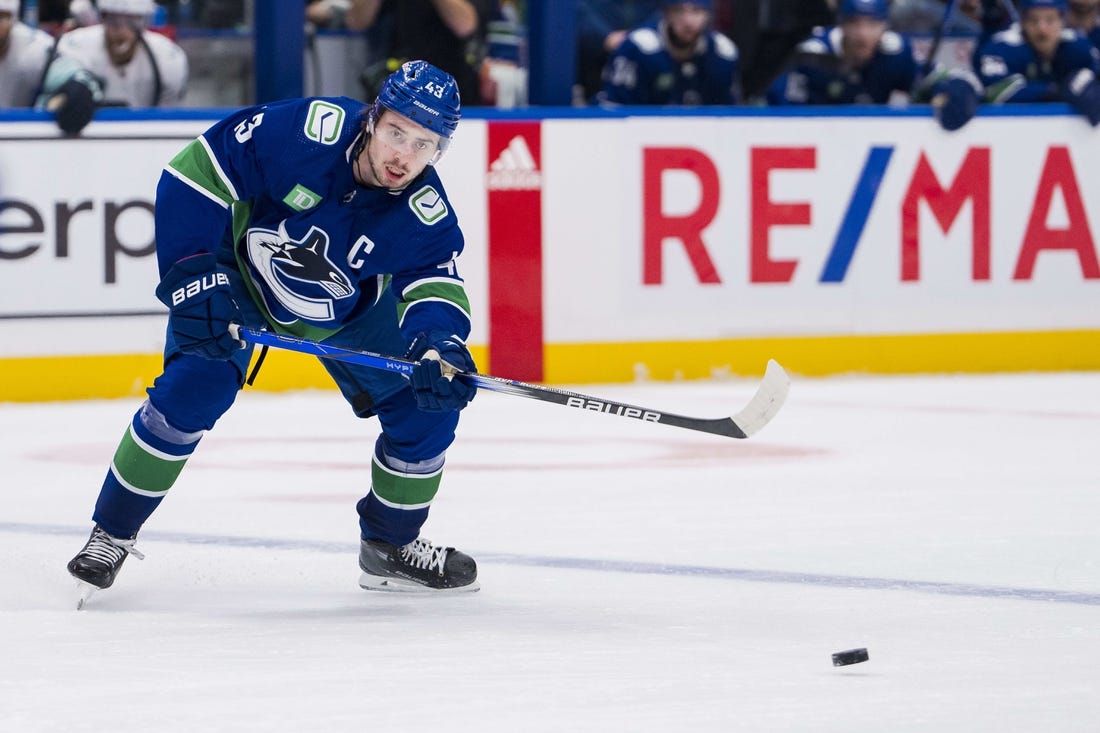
96,566
418,566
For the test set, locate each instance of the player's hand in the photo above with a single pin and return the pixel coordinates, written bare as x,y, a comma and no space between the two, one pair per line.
201,307
74,103
438,357
955,100
1083,94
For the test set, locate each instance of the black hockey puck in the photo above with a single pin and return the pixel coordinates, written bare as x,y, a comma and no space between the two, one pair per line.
850,656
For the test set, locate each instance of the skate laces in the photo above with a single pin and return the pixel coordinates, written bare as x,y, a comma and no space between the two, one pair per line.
423,554
109,550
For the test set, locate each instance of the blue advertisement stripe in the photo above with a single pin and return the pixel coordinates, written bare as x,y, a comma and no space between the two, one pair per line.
855,218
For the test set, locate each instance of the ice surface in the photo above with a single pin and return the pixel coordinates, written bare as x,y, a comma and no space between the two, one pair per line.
635,577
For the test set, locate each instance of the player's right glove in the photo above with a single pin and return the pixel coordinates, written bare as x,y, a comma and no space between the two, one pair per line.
438,356
74,103
201,307
955,98
1083,94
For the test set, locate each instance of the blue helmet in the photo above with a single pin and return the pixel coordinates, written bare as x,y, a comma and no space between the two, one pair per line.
1060,5
868,8
705,4
426,95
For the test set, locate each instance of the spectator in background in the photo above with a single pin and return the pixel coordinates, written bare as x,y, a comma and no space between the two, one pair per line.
767,33
33,74
858,61
678,61
601,27
138,68
328,14
929,16
1083,16
1037,61
448,34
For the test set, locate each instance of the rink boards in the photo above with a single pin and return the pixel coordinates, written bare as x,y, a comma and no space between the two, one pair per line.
607,247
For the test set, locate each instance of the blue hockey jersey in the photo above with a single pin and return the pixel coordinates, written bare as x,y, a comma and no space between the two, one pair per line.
642,71
819,75
270,190
1012,72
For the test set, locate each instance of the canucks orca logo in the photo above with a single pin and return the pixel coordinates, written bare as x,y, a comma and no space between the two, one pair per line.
298,273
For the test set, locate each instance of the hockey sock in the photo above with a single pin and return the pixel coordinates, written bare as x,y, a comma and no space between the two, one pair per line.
400,496
146,464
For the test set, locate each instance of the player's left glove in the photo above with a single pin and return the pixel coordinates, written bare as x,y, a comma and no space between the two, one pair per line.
1083,94
74,103
438,356
955,98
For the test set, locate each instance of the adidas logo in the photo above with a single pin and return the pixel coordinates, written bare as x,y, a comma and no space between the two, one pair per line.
514,169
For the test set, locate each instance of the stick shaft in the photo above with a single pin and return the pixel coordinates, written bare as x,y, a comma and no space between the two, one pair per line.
767,401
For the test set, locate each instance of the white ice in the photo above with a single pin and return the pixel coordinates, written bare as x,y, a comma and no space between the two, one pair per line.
635,577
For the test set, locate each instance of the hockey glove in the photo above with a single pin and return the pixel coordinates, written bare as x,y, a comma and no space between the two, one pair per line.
438,356
74,103
1083,94
955,99
201,307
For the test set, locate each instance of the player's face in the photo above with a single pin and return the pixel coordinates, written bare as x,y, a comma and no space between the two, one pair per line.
861,38
1082,14
397,152
120,34
686,22
1042,28
6,22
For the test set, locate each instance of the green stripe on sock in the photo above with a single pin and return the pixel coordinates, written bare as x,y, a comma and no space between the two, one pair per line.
143,470
403,490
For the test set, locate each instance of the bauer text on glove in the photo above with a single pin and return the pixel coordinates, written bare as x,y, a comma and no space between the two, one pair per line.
201,307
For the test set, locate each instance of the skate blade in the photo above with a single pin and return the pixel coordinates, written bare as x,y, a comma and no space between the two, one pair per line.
398,585
84,592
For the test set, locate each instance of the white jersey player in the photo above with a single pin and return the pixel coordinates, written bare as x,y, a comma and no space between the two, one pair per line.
137,68
33,74
24,52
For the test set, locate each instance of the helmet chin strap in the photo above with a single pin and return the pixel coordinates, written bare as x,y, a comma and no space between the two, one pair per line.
355,156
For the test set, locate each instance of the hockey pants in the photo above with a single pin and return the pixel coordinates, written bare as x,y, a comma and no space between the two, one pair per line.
191,393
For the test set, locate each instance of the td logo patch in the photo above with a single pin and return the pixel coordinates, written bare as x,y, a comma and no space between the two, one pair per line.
428,205
301,198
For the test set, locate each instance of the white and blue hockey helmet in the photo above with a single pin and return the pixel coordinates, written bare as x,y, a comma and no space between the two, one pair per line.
127,7
426,95
10,6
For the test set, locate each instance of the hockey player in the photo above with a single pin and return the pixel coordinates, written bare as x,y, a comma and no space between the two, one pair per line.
33,74
1083,16
1041,60
138,68
678,61
324,218
857,61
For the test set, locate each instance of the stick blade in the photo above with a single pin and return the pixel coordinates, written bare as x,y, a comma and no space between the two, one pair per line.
767,401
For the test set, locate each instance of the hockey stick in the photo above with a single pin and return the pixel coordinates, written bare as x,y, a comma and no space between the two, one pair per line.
937,39
755,415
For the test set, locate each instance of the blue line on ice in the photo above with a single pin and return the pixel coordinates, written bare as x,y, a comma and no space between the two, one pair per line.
617,566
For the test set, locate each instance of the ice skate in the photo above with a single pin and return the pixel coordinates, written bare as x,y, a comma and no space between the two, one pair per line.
96,566
418,567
